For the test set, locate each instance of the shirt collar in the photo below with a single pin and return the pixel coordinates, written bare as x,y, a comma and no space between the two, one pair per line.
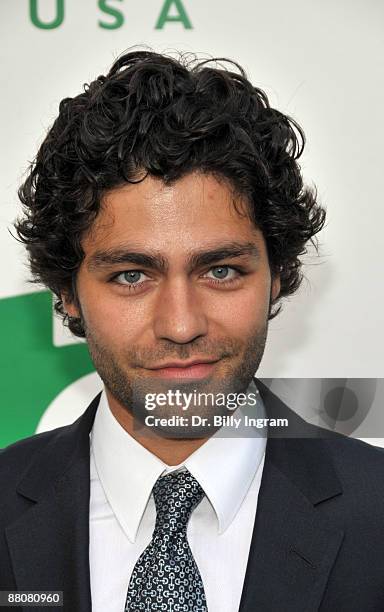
128,471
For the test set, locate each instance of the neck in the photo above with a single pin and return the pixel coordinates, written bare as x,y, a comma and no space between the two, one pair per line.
171,451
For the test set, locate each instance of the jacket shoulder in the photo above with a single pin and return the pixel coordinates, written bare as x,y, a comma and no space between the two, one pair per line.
356,457
44,456
18,456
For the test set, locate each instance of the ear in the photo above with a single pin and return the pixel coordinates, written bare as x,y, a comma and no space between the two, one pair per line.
275,287
69,306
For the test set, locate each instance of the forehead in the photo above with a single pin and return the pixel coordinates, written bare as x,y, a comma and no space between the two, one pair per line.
195,209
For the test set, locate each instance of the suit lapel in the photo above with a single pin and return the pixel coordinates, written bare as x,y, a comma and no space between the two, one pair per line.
293,546
49,543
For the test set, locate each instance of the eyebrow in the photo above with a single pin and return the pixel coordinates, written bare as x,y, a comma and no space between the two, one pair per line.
155,260
113,257
224,251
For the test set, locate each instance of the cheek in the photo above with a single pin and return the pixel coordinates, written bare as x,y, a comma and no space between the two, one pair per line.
109,319
243,311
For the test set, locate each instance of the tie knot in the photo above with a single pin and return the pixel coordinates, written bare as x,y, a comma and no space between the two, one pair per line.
176,495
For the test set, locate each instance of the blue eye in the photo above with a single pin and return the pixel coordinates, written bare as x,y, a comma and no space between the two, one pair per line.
129,278
223,272
220,272
132,276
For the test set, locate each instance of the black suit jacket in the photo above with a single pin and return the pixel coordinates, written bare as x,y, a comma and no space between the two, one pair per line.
318,537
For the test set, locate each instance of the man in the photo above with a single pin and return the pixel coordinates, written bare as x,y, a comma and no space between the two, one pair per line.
166,211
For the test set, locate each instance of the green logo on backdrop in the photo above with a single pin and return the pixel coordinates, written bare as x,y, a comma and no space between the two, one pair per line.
171,11
33,370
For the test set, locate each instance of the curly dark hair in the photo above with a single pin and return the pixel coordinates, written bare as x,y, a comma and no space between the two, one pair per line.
154,114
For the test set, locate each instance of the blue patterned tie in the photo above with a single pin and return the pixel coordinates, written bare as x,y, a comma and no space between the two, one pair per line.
166,577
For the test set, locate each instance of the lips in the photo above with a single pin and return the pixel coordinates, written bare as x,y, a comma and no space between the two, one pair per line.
196,368
182,364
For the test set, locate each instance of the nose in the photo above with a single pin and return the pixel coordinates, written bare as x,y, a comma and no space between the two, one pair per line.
179,313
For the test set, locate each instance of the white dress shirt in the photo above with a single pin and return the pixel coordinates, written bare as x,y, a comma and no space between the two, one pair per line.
122,509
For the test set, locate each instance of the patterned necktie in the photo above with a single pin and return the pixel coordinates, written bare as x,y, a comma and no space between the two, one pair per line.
166,577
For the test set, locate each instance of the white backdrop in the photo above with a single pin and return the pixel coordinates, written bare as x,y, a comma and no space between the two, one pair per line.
320,61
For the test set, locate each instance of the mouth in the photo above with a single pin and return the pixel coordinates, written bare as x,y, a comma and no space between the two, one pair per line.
193,369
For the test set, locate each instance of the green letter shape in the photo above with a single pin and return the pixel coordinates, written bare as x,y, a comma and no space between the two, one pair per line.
182,15
52,24
119,17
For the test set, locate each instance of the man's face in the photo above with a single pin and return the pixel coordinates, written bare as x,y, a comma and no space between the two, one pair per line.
171,275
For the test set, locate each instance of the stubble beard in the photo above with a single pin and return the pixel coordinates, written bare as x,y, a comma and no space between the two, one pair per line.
130,390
